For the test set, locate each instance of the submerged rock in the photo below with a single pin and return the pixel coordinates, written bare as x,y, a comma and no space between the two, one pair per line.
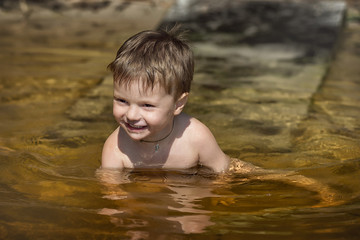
256,22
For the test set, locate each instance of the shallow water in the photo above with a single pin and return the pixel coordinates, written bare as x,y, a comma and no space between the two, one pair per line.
51,188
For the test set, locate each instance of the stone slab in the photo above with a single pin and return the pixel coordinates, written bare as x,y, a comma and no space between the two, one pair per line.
264,59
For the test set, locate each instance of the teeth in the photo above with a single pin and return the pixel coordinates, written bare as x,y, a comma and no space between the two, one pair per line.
135,126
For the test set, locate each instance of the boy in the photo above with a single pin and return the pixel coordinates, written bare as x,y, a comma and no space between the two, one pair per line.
152,74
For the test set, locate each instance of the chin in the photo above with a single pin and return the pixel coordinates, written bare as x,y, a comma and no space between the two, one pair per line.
136,136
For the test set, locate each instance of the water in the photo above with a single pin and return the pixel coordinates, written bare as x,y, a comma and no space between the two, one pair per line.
50,147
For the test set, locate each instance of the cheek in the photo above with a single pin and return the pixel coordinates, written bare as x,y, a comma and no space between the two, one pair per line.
117,112
158,118
151,118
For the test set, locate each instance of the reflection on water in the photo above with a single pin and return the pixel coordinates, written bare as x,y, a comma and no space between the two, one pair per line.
50,143
190,200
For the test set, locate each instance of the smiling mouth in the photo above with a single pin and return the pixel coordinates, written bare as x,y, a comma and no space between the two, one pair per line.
134,127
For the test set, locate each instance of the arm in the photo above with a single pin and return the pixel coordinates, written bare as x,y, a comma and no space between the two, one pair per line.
328,196
110,154
210,154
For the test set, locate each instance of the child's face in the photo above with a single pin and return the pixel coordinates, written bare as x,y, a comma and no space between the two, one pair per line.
145,114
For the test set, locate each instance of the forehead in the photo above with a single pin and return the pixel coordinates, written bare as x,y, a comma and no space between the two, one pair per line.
140,88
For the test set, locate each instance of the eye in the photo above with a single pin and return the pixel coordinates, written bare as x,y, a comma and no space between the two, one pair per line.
148,105
120,100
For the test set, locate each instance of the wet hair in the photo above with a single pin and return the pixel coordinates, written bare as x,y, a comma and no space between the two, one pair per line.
155,57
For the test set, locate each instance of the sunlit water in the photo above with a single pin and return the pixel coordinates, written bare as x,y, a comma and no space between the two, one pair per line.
51,187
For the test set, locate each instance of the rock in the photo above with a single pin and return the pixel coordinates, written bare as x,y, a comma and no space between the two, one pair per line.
92,106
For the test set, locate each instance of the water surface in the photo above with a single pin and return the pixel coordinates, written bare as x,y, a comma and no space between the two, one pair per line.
51,188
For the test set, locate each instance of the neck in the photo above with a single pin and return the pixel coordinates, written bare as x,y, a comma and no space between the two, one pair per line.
162,138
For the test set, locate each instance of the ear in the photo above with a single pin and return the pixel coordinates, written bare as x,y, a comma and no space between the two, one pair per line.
180,103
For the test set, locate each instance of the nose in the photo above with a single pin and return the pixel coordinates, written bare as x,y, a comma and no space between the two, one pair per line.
133,113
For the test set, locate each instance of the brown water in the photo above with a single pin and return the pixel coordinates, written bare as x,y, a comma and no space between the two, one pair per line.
50,187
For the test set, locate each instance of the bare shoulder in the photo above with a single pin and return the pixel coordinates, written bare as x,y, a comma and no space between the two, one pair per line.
196,129
111,157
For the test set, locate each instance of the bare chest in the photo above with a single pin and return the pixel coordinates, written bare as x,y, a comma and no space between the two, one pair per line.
171,156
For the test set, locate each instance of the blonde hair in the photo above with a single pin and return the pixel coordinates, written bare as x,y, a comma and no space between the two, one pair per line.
155,57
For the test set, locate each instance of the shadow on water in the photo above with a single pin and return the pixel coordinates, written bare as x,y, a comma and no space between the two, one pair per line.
263,85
